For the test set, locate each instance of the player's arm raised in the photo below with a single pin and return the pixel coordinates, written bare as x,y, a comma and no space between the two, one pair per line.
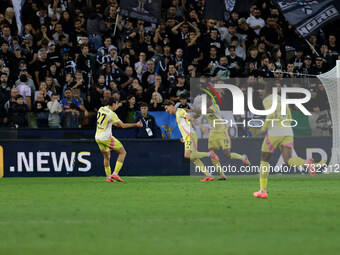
204,129
128,125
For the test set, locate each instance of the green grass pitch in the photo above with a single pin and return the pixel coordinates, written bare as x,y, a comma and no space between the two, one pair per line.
169,215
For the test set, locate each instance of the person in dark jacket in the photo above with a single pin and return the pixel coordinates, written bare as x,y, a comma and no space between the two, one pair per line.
20,110
149,129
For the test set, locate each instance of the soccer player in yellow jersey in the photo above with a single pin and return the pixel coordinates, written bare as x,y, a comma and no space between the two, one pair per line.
189,138
106,117
277,136
219,138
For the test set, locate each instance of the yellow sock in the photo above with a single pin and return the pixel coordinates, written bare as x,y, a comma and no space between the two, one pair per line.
263,183
118,167
296,161
264,172
197,155
236,156
202,168
108,170
217,167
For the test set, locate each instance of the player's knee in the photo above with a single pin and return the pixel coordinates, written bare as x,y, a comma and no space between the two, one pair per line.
187,155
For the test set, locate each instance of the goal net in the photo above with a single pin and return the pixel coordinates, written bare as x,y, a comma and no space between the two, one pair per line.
331,82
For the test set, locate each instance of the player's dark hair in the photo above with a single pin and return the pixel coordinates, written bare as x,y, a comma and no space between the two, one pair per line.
111,101
168,102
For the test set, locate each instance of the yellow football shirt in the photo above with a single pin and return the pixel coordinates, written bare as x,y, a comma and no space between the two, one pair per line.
216,115
105,118
183,123
274,121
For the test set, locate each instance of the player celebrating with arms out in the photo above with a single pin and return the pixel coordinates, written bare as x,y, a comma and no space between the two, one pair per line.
277,136
189,138
106,142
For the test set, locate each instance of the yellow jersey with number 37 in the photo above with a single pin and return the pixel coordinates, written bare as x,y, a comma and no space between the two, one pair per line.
105,118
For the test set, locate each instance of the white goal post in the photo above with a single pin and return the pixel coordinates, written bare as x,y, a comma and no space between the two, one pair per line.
331,82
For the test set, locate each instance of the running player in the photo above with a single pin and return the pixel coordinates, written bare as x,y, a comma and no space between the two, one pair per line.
219,138
189,138
106,142
277,136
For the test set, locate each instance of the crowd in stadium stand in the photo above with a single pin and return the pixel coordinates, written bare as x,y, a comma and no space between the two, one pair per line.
71,57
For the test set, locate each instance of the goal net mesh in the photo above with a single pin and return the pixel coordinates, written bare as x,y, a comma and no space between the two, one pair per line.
331,82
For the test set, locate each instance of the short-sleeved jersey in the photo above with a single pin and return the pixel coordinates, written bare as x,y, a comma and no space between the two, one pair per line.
275,128
105,118
183,123
216,115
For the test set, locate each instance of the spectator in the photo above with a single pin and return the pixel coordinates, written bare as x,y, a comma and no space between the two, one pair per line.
41,66
236,64
96,97
106,97
104,50
297,60
58,32
326,55
221,70
156,102
10,21
271,34
149,128
55,109
39,108
333,47
239,51
41,18
126,80
247,32
307,67
19,112
95,29
211,62
140,66
180,63
232,32
213,40
8,107
67,23
157,87
84,65
255,21
44,92
25,91
50,83
55,9
5,54
148,77
131,108
44,33
277,58
181,88
183,102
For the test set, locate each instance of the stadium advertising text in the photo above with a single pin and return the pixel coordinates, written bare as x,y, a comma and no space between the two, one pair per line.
52,162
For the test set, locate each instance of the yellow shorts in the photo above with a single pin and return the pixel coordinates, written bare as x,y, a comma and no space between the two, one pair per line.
108,145
190,142
219,139
270,143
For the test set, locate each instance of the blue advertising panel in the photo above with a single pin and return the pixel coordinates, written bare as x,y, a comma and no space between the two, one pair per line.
43,158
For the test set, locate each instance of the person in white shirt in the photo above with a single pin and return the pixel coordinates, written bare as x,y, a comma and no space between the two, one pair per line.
255,21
